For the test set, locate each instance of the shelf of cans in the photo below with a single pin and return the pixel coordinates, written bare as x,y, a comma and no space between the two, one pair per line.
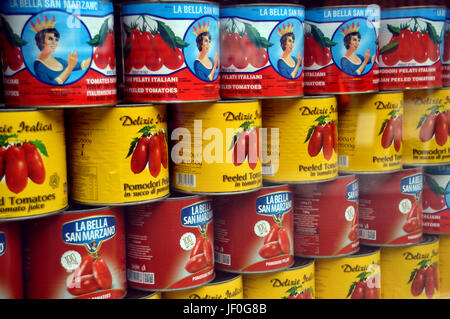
195,149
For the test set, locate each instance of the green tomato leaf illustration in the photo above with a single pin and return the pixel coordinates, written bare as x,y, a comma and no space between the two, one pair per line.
40,146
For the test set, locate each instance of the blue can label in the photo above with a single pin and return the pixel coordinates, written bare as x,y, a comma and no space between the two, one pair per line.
412,185
274,204
197,215
90,232
2,243
352,191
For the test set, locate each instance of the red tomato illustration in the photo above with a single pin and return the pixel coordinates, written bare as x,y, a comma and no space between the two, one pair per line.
270,250
139,158
36,169
163,149
154,156
16,170
441,131
328,141
405,52
2,162
428,128
240,150
315,142
252,145
388,134
102,274
196,263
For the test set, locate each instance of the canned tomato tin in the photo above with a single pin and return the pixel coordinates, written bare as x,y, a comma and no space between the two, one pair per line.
231,161
58,53
446,51
33,173
84,255
139,294
444,266
11,280
353,277
295,282
254,231
170,244
436,195
323,232
370,133
302,139
411,39
118,155
425,126
224,286
390,208
262,50
341,49
171,51
411,272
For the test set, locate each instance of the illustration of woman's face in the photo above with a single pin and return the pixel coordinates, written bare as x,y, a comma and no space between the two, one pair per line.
354,42
50,42
206,44
289,43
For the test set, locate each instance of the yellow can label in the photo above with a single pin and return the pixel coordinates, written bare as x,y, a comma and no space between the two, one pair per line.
411,272
444,266
118,155
216,147
425,126
217,289
370,133
301,139
294,283
353,277
33,173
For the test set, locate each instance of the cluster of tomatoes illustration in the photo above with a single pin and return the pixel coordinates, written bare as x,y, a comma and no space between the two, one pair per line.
91,274
104,54
365,287
243,48
424,278
298,292
275,243
246,145
322,137
436,122
151,149
317,47
407,44
413,219
152,47
201,255
20,162
433,195
11,44
391,131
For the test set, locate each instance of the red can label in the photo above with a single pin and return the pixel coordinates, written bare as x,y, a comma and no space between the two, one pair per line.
171,51
170,244
326,218
446,51
390,208
254,231
58,53
86,259
341,49
10,261
411,42
436,199
262,51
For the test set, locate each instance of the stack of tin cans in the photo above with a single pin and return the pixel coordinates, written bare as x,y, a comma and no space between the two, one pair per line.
193,149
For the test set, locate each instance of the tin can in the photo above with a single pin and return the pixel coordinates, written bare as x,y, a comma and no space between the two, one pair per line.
436,190
254,231
171,51
424,127
231,162
33,172
411,272
118,155
444,266
58,54
370,133
262,50
84,255
302,139
390,208
445,51
139,294
224,286
352,277
332,63
11,279
170,244
295,282
323,232
411,39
